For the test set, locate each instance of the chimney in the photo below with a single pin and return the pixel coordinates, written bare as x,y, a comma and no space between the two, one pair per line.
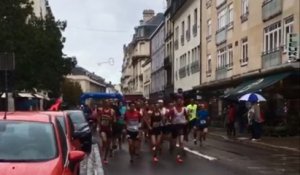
148,14
141,22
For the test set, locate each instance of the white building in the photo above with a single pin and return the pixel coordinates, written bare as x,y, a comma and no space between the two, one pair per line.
158,72
187,45
40,8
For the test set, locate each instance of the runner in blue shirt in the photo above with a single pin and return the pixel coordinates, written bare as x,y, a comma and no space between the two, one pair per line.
202,119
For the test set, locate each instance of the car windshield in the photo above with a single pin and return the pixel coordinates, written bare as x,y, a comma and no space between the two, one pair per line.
26,141
77,117
61,120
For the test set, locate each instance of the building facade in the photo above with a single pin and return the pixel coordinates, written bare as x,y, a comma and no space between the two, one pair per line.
169,50
137,56
88,81
246,41
186,45
158,73
40,8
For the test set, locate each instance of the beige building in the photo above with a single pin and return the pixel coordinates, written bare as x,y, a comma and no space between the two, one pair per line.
187,45
88,81
244,40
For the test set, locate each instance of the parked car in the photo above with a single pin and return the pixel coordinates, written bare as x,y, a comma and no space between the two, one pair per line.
35,143
66,123
80,129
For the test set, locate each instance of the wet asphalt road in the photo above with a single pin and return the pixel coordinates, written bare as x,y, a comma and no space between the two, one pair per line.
231,159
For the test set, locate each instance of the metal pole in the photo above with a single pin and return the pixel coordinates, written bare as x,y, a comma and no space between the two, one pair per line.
6,89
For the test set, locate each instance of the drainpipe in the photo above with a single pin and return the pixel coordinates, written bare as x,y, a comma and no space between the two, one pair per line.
200,49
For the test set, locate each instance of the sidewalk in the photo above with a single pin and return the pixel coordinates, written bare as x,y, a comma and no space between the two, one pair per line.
275,143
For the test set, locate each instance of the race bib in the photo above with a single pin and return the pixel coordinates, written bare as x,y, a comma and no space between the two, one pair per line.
156,124
105,122
133,128
202,122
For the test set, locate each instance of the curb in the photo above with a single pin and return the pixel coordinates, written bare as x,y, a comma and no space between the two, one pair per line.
255,144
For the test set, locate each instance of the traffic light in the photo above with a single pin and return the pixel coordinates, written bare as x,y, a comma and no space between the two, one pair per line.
293,43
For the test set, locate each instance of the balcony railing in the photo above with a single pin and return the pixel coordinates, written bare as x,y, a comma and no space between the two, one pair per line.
221,36
188,35
182,40
176,44
195,67
182,72
219,3
221,73
271,58
271,8
195,30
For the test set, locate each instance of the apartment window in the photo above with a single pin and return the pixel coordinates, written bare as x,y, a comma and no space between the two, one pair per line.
244,59
222,19
182,33
230,15
176,33
176,38
195,17
288,28
230,56
176,72
222,58
188,28
272,37
195,22
209,63
245,7
209,28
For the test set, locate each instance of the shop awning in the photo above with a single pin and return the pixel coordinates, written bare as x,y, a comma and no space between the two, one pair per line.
256,85
39,96
25,95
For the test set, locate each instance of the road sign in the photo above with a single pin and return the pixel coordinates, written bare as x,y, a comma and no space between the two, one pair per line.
293,46
7,61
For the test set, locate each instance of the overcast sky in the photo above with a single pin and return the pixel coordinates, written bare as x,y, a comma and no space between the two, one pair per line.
97,30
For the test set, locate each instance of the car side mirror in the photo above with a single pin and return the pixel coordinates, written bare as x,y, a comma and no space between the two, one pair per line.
76,135
76,156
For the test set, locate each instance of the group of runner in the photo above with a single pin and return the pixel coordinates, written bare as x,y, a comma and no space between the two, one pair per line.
157,123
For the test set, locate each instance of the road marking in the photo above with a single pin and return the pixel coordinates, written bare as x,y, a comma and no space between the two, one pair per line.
199,154
98,162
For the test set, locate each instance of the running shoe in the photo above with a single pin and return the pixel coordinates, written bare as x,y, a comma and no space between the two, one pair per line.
178,159
155,159
105,162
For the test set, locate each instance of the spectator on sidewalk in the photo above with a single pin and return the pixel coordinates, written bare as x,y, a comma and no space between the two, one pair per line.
242,117
255,120
231,116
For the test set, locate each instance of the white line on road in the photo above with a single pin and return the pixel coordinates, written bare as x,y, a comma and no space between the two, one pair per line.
199,154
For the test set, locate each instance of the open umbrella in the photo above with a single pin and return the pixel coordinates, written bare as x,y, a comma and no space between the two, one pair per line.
252,97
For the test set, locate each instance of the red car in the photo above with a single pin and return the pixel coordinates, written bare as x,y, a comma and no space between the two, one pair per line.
35,143
67,125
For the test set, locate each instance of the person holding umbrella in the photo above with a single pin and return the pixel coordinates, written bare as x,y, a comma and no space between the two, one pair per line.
254,114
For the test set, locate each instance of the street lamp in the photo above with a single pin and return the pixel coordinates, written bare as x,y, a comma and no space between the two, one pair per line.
110,61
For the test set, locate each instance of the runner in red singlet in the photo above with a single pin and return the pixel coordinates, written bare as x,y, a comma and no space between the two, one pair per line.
133,122
106,119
